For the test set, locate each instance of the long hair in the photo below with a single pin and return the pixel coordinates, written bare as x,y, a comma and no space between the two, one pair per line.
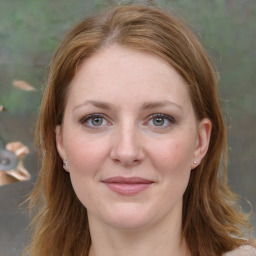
212,223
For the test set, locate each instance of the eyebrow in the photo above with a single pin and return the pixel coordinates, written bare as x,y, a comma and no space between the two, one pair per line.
150,105
145,106
98,104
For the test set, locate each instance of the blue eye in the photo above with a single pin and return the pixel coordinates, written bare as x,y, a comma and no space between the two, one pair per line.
161,120
158,121
94,120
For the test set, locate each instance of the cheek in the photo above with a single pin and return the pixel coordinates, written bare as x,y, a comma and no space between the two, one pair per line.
175,153
172,159
86,158
85,155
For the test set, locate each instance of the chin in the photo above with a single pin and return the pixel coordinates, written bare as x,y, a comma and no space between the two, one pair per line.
128,217
127,222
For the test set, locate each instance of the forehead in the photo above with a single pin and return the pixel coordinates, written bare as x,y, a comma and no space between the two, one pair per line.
118,73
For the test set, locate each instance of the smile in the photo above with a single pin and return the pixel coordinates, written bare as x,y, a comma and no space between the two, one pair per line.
127,186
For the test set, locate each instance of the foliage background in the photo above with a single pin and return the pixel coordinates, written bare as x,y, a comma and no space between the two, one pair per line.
30,31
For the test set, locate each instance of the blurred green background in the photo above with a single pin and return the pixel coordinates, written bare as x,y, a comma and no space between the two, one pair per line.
30,30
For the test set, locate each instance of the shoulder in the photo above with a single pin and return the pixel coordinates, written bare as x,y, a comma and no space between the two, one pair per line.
245,250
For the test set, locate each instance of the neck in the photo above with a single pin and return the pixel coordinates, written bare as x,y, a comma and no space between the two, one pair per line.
162,239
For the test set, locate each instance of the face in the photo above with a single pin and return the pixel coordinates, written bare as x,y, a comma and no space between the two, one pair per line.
130,137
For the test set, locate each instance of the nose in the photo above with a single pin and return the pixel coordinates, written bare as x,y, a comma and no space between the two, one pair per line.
127,147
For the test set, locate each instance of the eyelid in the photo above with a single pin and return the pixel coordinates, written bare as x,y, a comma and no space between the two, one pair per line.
168,117
84,119
169,121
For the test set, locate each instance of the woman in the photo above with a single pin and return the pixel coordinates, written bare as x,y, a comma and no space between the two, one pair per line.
133,144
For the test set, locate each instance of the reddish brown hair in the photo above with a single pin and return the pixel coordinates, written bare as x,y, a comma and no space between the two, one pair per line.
211,222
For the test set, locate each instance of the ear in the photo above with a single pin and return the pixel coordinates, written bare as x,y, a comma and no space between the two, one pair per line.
59,142
203,140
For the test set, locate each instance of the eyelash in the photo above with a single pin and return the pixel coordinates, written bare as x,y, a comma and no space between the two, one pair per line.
84,120
171,120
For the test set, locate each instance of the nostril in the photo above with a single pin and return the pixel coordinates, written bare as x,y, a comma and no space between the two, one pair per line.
127,159
127,150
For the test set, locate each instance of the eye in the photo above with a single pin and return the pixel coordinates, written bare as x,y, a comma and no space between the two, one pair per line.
94,121
161,120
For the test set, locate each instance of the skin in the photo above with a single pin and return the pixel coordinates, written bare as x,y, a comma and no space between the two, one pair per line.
131,90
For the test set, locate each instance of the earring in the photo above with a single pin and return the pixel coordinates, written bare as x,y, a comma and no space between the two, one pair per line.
194,162
65,164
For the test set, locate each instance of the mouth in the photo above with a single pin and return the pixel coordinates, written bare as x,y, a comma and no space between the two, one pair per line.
127,186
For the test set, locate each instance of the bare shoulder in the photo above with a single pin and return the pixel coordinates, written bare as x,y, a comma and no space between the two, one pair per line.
245,250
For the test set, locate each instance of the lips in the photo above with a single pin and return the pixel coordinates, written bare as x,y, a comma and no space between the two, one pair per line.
127,186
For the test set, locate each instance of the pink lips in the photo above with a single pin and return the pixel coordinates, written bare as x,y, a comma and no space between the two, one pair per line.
127,186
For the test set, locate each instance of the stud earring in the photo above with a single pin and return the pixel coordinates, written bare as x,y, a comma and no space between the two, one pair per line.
194,162
65,164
